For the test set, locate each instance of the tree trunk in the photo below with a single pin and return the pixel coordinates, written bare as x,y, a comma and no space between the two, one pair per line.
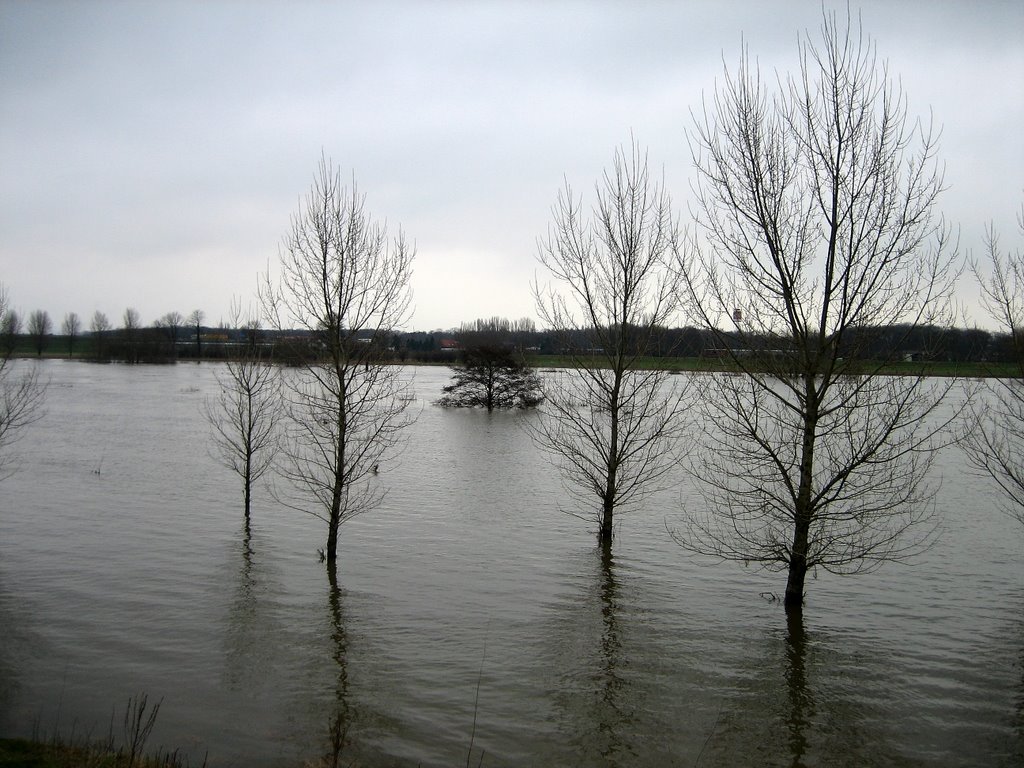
332,540
797,567
802,512
611,481
335,521
798,719
247,478
332,527
340,370
604,534
490,388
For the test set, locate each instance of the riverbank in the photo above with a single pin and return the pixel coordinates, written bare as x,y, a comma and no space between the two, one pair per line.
26,753
23,753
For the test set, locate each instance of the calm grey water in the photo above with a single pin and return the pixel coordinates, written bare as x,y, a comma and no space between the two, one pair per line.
468,594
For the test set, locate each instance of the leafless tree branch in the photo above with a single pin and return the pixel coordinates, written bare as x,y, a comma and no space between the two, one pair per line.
610,424
995,441
346,284
815,209
21,396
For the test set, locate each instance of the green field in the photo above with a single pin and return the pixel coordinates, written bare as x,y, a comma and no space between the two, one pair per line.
711,364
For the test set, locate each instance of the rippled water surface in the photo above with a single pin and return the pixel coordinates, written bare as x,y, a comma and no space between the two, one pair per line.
468,597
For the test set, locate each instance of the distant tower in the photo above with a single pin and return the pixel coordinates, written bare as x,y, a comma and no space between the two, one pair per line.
737,315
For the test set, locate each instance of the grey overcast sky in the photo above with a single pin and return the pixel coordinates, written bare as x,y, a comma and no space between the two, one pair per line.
151,153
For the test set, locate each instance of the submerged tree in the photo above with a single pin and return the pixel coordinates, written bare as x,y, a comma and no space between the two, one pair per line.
610,423
995,442
492,376
245,414
21,398
815,203
344,282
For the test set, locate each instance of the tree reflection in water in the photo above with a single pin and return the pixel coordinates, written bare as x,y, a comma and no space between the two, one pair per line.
806,698
595,693
340,719
801,703
612,715
17,637
253,629
1017,751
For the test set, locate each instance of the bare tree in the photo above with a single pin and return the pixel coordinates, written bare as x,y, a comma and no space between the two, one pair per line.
131,320
815,205
131,323
100,326
171,325
347,285
99,323
10,328
245,413
71,327
498,331
609,423
21,398
252,328
195,318
995,444
39,327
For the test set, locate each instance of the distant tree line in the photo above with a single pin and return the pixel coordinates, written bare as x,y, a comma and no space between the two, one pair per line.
959,345
173,337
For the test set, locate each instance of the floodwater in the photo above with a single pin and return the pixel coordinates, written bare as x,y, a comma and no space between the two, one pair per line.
470,615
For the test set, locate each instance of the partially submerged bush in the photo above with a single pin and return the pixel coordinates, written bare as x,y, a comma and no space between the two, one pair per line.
492,377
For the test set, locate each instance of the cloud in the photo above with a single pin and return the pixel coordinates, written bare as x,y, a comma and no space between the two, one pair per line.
153,152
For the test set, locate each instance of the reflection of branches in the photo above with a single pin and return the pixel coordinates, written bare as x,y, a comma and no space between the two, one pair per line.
248,627
613,716
1020,708
801,708
611,643
16,636
340,721
597,695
